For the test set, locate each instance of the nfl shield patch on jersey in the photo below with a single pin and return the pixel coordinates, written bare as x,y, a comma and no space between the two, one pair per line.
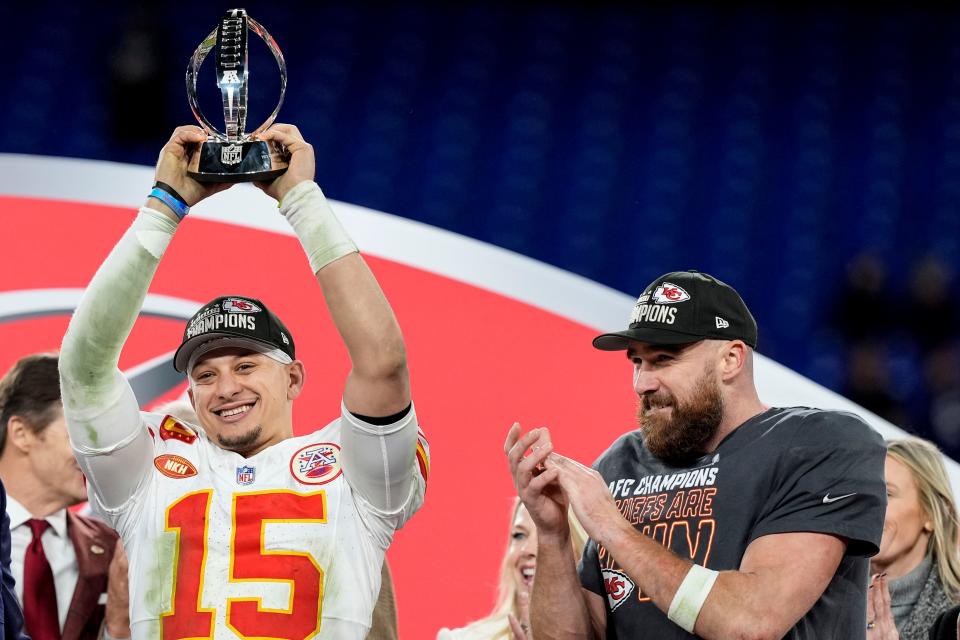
245,475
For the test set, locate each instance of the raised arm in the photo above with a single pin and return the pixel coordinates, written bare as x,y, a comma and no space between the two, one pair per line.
380,435
378,383
100,408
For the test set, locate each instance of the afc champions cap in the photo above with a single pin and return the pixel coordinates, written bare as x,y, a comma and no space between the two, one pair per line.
681,307
234,321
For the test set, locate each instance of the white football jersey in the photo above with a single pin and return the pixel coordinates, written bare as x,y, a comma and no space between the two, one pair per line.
278,545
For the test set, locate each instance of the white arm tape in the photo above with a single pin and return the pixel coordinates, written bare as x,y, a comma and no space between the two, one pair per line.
690,596
322,236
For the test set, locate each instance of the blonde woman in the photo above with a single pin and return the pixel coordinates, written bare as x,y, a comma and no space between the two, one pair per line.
510,618
917,571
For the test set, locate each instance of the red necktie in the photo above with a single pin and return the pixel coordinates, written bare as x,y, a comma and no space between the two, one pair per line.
39,595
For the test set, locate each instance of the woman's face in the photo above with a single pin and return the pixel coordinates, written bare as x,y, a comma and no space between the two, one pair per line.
522,552
906,527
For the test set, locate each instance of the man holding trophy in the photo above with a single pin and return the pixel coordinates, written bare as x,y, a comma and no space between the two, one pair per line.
234,527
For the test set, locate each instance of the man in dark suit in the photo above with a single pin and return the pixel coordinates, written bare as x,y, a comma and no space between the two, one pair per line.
62,561
11,618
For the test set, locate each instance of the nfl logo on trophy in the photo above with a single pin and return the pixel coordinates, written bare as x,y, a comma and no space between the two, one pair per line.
245,475
230,154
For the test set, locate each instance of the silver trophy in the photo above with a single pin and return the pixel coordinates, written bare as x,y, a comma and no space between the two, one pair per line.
234,156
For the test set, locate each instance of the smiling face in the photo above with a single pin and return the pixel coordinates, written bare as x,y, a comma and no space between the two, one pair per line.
244,399
680,406
522,552
906,526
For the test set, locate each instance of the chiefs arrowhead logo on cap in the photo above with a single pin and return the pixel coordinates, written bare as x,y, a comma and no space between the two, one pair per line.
618,586
668,293
239,305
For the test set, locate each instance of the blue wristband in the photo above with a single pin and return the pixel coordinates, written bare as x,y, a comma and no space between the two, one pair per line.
179,208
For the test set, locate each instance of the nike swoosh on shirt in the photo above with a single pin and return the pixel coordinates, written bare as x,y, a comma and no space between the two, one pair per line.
827,499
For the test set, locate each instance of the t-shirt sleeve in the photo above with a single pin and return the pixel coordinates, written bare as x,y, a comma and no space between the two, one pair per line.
829,479
589,569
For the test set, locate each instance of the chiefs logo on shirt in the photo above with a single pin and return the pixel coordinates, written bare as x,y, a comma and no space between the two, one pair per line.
618,585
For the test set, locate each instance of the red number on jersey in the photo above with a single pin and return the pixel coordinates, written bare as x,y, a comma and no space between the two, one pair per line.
188,517
249,562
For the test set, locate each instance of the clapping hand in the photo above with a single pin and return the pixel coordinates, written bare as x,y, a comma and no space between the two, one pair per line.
880,625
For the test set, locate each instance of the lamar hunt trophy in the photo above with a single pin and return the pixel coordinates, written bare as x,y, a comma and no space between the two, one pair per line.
234,156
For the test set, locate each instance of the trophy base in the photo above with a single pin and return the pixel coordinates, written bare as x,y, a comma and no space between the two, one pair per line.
250,161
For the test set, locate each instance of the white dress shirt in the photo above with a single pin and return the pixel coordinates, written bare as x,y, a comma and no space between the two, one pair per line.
56,545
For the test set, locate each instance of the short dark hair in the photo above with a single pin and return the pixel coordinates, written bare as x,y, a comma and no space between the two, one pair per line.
31,390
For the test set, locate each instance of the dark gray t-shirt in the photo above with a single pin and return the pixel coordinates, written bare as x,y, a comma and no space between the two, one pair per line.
784,470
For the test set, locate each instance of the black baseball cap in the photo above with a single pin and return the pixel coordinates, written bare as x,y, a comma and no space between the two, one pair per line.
234,321
682,307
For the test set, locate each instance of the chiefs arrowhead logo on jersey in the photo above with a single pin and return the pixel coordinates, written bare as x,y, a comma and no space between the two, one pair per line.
316,463
170,429
668,293
618,585
174,466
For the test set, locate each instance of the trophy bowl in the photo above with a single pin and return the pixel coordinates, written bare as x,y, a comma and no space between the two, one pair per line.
234,155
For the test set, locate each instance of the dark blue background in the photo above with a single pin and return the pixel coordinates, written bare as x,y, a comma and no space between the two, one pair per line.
765,146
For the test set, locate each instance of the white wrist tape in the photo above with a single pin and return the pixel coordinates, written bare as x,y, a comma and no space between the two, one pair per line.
691,595
153,231
312,219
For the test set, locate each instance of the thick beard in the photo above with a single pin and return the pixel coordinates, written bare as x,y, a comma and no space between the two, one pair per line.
243,443
682,438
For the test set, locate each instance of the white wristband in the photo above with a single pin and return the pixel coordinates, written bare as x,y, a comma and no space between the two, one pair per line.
691,595
312,219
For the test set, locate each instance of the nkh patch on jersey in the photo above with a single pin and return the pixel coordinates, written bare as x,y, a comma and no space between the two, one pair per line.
174,466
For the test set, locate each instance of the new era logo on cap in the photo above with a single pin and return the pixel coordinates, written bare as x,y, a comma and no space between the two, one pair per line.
682,307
